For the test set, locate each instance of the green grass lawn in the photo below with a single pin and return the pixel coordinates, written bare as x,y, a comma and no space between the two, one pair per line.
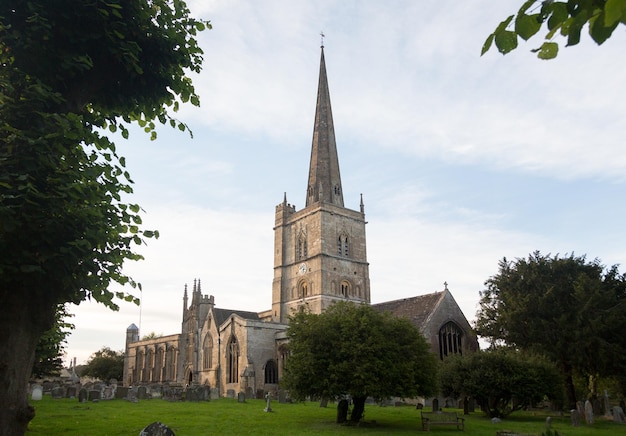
228,417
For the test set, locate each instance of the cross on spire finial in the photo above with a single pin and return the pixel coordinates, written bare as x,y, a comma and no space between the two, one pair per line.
322,35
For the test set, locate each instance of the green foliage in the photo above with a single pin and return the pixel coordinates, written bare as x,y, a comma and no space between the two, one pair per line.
353,350
152,335
70,69
568,309
51,346
566,18
501,381
73,71
105,364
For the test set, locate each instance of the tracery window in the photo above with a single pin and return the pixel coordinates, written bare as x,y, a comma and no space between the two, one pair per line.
207,352
450,340
232,360
271,372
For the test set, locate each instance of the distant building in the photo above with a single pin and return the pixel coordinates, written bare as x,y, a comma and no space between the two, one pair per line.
320,258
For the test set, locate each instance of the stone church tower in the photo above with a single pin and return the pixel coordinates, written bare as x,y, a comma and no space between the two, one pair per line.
319,251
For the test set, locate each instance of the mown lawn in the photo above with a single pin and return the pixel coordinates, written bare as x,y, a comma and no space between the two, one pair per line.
228,417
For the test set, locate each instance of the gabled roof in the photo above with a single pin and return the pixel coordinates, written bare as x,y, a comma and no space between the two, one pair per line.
221,315
416,309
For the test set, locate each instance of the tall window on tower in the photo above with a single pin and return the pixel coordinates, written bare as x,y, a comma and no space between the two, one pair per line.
302,247
343,247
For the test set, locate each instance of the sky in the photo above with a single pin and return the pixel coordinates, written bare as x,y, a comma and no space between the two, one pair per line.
462,160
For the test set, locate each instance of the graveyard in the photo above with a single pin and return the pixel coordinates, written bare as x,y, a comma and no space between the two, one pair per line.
69,416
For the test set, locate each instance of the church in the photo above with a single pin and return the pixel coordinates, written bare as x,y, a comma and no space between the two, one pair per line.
320,258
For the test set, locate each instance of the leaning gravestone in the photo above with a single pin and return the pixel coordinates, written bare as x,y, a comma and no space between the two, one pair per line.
342,411
157,429
618,415
324,402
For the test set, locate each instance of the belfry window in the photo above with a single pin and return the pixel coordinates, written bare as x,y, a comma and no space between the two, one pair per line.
450,340
343,247
302,247
345,289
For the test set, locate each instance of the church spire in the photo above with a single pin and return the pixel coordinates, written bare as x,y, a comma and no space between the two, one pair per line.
324,178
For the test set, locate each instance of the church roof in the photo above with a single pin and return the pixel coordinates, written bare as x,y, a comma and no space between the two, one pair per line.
415,309
324,178
221,315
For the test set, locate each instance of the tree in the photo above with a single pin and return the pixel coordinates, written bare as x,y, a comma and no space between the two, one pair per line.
565,308
353,350
565,17
501,381
105,364
51,346
71,71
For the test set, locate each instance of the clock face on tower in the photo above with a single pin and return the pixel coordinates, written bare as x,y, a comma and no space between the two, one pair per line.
302,268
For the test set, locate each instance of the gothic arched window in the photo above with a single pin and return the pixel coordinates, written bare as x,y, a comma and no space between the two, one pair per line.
232,361
303,250
207,352
450,340
271,372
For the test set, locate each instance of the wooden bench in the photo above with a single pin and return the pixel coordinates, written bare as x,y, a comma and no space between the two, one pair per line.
442,418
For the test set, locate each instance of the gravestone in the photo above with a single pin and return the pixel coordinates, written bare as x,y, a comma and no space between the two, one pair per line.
58,392
342,411
142,393
132,395
121,392
215,394
249,393
324,402
95,395
241,397
282,397
606,405
588,412
260,394
47,386
108,393
157,429
83,395
618,415
435,404
71,392
36,393
575,416
548,422
268,407
230,393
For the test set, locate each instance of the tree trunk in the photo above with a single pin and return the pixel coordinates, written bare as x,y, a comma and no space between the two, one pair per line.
570,391
22,323
358,407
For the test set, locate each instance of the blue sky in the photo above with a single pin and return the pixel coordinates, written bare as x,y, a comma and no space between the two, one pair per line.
461,159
